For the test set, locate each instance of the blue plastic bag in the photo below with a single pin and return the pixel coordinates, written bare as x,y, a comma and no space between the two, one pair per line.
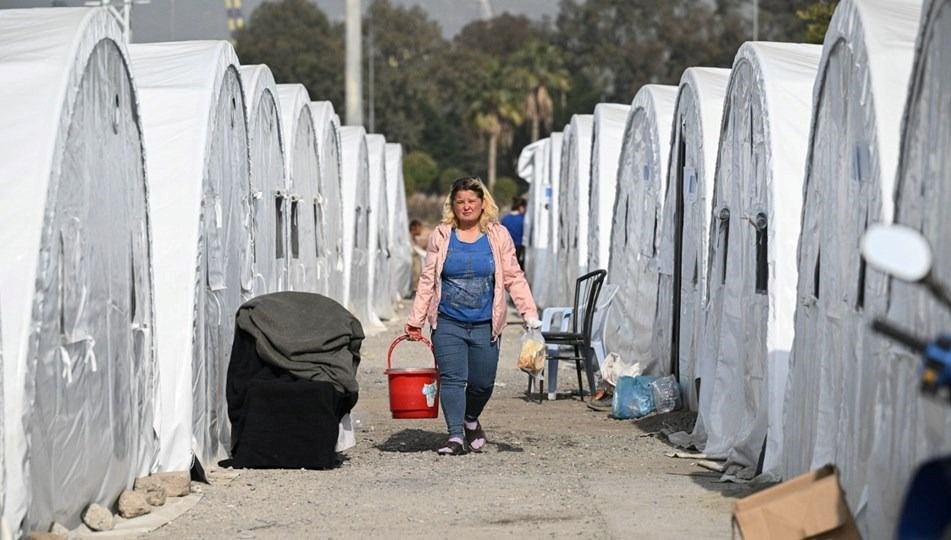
633,397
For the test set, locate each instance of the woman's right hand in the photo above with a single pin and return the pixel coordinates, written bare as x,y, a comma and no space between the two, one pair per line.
414,332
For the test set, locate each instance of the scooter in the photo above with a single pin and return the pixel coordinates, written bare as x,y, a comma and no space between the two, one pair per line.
904,254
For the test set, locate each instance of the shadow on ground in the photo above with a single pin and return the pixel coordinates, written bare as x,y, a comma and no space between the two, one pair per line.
412,440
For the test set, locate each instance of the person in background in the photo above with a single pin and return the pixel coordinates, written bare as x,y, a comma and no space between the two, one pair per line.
415,231
514,221
470,265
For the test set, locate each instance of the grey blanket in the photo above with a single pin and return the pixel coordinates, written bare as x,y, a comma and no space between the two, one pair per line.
309,335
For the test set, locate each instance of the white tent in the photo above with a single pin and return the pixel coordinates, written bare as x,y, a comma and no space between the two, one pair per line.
379,270
573,187
849,183
607,134
757,203
533,167
268,181
635,223
303,175
355,191
400,243
910,428
196,140
546,282
682,259
75,288
329,207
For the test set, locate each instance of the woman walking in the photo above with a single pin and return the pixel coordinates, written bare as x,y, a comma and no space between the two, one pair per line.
470,264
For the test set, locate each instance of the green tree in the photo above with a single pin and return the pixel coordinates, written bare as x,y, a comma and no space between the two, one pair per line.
505,190
817,17
419,172
300,45
540,70
447,177
494,111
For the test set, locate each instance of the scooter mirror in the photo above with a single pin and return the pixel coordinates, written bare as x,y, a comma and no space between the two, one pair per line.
897,250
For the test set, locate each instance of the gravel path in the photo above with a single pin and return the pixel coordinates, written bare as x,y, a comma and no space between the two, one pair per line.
553,469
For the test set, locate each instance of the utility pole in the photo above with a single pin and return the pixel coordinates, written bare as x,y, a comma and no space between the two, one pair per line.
371,76
755,20
353,72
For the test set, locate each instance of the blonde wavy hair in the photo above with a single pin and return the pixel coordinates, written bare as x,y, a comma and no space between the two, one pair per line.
490,210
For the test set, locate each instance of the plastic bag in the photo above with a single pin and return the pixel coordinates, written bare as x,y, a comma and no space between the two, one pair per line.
666,394
633,397
614,368
531,356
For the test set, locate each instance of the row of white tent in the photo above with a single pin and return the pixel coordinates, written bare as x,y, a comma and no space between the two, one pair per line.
731,225
149,190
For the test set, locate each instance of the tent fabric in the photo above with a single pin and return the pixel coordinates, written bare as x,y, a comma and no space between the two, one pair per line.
607,134
757,206
329,207
77,307
689,188
573,189
910,428
306,271
636,218
849,184
378,265
533,167
401,264
355,190
268,180
196,140
546,280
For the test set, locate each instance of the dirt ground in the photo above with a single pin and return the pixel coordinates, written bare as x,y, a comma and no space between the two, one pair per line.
551,469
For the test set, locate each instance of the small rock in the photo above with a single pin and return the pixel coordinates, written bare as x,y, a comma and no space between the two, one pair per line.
133,504
175,484
59,528
98,518
36,535
155,496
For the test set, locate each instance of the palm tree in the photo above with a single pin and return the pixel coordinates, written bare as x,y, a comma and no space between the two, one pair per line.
540,70
494,110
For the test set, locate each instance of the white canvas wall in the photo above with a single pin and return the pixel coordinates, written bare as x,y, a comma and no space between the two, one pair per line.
635,225
910,428
400,242
75,299
682,258
757,205
378,242
355,188
607,134
573,208
329,207
849,184
196,141
303,175
533,167
268,215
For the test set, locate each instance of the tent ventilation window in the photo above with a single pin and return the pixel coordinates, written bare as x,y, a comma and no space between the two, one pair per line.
316,228
762,264
132,291
117,112
279,226
627,215
654,237
356,228
860,294
815,276
295,229
61,275
234,110
725,241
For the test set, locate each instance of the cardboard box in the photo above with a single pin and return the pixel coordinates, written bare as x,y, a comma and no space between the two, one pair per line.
807,506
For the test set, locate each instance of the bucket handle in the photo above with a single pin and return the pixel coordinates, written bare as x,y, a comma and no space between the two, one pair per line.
402,338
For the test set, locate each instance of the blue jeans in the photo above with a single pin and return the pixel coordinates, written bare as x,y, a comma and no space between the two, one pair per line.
467,359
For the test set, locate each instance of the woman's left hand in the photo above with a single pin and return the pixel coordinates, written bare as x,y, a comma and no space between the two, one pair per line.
533,324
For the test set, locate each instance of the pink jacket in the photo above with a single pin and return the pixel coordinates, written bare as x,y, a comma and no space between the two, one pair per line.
508,277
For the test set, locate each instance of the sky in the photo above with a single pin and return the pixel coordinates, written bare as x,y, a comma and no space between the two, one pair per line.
171,20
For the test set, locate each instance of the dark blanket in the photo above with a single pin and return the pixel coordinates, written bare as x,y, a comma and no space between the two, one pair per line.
310,336
291,378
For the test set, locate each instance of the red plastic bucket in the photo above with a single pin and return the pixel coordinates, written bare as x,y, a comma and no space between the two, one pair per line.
414,392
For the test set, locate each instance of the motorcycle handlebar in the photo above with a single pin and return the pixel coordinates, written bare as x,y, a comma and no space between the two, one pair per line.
907,339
